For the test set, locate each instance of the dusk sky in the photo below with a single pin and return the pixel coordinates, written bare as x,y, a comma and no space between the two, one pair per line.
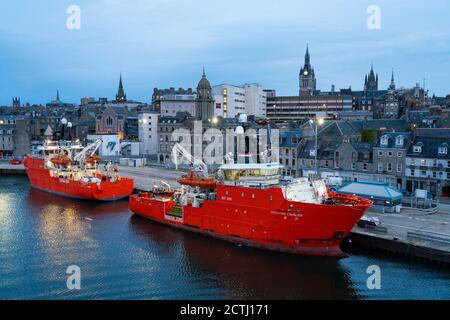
164,43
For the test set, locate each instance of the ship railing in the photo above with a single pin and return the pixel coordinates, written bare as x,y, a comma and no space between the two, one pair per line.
348,199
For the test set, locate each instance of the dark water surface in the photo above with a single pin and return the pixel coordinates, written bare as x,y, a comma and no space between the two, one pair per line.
125,257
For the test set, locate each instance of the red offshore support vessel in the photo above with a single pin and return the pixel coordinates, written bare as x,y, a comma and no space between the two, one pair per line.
250,205
68,169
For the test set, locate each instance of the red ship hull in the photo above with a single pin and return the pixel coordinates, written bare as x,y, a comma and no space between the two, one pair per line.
41,179
261,218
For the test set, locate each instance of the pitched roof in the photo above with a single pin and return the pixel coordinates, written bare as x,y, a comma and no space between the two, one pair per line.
372,190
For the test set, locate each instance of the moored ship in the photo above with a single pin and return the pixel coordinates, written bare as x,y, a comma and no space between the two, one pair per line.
249,204
69,169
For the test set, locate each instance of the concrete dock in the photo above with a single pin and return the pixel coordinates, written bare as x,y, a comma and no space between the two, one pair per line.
411,233
146,177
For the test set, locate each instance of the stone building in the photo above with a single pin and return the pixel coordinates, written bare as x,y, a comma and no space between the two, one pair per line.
111,121
389,157
289,142
428,162
7,139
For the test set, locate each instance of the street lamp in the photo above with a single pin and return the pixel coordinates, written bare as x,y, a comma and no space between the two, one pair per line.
63,125
69,127
319,122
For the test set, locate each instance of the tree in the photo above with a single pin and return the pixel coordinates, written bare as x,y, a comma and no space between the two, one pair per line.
368,135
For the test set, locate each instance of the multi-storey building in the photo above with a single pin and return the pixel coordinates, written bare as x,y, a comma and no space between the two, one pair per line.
289,142
7,139
148,133
428,162
255,100
170,101
390,157
229,100
391,104
294,108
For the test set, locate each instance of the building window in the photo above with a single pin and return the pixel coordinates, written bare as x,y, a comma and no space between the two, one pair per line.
434,174
390,154
380,167
384,141
380,153
365,166
399,154
353,166
399,167
417,149
442,150
389,167
413,172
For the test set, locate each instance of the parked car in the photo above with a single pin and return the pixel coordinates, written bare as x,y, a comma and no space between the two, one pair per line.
368,221
15,161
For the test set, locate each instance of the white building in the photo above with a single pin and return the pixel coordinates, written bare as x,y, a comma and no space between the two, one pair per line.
233,100
229,100
255,100
110,146
148,133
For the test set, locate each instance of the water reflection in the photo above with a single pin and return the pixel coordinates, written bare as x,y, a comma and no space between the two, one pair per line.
123,256
249,273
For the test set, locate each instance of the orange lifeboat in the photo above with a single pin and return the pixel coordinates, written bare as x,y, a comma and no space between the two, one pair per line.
193,180
61,160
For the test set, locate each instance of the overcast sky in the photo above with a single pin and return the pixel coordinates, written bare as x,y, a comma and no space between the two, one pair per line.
164,43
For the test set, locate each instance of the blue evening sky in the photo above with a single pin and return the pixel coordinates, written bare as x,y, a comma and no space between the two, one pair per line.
163,43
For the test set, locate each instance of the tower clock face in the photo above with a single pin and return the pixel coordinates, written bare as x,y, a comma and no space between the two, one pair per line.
305,73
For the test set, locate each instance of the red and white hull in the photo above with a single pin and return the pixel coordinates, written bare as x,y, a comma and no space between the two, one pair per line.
261,218
41,179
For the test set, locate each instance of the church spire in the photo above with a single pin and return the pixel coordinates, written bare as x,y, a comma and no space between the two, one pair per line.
371,80
121,96
57,95
307,56
392,85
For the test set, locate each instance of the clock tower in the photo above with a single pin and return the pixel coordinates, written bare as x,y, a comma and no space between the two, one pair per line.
307,77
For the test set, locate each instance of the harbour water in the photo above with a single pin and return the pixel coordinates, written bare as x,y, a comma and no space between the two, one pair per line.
125,257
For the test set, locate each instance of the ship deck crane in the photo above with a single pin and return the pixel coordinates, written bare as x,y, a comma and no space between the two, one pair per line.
197,164
90,149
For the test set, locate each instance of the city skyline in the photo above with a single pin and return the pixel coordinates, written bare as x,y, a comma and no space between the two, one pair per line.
40,55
